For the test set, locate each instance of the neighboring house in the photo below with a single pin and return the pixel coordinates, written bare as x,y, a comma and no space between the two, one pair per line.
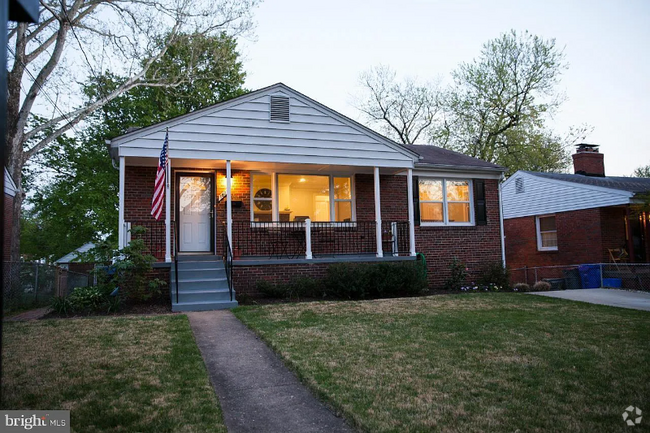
70,263
564,219
308,187
10,193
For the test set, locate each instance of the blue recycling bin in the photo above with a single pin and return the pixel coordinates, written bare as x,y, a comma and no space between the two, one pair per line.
589,276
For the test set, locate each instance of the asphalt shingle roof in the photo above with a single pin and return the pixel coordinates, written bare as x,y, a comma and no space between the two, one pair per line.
437,156
630,184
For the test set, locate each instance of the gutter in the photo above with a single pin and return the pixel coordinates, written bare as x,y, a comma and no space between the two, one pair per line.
460,167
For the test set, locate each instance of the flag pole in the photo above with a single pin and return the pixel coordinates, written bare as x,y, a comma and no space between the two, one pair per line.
168,255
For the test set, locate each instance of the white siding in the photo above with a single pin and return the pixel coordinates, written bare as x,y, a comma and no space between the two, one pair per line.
543,196
242,131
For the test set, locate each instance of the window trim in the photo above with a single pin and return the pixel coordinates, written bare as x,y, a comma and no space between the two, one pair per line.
445,211
538,232
275,212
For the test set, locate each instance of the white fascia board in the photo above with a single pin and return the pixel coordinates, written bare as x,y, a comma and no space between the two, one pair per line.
265,157
459,173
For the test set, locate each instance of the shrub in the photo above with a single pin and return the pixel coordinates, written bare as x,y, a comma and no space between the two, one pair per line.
362,281
541,286
84,300
521,287
458,275
270,290
494,273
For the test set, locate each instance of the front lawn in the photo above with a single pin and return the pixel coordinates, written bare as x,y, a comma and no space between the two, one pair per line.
472,362
113,374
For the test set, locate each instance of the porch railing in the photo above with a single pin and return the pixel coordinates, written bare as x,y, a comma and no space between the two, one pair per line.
295,239
153,236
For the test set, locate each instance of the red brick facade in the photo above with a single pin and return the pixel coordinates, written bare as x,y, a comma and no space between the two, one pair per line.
475,246
583,236
590,163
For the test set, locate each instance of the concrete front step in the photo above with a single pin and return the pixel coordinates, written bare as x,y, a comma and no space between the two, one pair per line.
204,296
198,266
198,258
204,306
206,284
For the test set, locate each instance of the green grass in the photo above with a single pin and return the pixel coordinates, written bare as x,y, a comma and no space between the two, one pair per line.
113,374
467,363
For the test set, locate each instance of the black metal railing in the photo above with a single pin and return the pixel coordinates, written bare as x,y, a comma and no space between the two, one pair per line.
288,239
227,259
396,237
343,238
153,236
273,239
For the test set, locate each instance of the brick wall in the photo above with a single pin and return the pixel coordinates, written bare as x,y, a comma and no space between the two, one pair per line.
579,235
245,278
8,225
612,230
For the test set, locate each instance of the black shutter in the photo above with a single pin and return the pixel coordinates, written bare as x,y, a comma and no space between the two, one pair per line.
480,210
416,200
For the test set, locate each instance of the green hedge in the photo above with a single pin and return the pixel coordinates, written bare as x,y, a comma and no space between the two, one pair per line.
354,281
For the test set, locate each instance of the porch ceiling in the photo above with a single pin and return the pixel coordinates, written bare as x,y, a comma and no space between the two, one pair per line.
216,164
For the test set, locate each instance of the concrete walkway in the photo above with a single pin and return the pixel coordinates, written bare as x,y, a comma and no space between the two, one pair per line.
256,391
611,297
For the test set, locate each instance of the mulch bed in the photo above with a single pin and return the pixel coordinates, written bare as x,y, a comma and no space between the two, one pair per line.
152,309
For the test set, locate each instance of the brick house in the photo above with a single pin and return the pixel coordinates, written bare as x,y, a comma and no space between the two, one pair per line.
273,185
553,219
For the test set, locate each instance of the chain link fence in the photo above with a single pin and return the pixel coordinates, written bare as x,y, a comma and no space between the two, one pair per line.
31,285
630,276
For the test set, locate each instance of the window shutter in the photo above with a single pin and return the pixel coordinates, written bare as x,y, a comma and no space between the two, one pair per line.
480,210
416,200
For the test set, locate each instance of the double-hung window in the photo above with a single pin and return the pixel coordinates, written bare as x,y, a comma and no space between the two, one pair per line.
445,202
317,197
546,233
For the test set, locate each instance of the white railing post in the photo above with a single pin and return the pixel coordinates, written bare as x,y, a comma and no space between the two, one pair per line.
393,230
380,252
308,254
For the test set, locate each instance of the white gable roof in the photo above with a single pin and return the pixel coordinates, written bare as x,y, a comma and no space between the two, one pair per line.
538,196
10,186
241,130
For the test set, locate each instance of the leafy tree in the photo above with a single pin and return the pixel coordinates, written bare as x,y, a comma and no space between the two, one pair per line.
122,38
643,171
497,109
79,201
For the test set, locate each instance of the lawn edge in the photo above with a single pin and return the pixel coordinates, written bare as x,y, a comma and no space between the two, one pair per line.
320,394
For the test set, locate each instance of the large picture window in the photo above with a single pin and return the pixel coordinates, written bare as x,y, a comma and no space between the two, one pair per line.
445,202
317,197
546,233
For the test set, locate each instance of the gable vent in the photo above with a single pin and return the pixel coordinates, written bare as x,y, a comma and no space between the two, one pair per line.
279,108
519,186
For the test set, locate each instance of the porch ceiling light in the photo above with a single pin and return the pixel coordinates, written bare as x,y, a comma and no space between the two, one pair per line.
302,179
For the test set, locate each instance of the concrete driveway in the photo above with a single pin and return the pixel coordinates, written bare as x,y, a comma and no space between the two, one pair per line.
612,297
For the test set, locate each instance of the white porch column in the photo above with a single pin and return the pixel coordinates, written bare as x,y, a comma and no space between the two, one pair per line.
229,202
308,254
120,229
380,252
409,188
168,218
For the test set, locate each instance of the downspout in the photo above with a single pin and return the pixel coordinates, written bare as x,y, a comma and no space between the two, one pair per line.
503,236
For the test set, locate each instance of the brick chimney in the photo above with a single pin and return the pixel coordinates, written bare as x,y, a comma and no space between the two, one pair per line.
588,161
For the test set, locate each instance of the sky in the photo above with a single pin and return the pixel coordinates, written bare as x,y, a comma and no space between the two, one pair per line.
321,48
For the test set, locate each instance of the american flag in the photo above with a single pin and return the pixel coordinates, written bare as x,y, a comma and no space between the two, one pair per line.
159,189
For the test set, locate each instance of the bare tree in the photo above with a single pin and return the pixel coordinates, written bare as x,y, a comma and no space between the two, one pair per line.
80,39
405,111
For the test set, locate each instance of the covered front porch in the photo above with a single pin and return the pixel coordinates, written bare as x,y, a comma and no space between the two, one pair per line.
269,212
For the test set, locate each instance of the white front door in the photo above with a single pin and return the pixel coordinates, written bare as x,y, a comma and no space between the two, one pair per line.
195,212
